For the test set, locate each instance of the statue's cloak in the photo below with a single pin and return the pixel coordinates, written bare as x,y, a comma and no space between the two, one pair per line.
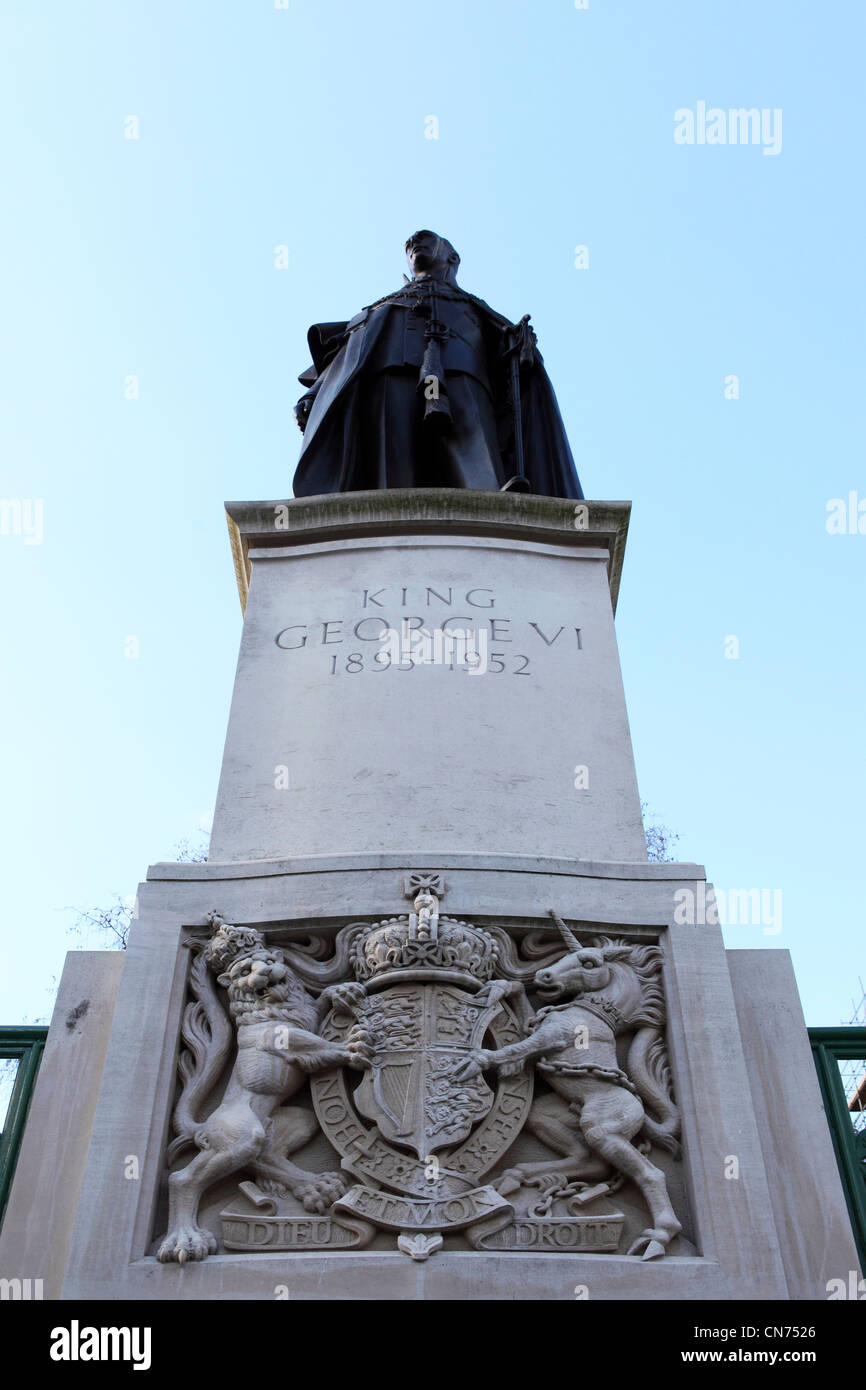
332,458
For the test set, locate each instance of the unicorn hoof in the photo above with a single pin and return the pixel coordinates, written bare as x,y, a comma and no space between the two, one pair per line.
650,1245
654,1250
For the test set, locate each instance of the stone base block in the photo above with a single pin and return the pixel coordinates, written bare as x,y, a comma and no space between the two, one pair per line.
734,1242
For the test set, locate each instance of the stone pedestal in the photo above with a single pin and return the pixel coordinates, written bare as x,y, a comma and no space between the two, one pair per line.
362,724
391,838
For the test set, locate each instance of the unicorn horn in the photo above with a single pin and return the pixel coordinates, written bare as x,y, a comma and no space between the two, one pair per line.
565,932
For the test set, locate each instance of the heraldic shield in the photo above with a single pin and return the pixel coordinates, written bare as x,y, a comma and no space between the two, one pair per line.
425,997
419,1031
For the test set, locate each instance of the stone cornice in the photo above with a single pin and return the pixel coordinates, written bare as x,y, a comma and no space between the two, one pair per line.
427,511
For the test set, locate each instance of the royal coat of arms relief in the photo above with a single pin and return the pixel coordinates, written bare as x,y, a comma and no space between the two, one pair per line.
476,1087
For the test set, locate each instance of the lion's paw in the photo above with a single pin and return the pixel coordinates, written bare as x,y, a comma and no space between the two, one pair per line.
186,1243
347,996
319,1191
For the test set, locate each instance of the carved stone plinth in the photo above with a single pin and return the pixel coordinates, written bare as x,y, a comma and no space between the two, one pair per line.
428,670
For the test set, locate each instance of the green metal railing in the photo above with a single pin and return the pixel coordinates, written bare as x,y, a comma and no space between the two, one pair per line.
24,1046
846,1112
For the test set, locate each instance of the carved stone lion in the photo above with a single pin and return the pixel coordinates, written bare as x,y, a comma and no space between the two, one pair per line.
276,1021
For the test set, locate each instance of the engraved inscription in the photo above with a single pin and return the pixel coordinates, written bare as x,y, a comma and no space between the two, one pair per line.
389,638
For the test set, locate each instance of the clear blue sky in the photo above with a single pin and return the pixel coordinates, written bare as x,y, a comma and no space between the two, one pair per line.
305,127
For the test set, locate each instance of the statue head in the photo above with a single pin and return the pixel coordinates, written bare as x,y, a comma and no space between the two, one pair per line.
579,972
228,942
583,969
429,254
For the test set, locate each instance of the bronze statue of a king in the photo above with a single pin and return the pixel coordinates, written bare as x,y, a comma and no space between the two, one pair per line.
430,387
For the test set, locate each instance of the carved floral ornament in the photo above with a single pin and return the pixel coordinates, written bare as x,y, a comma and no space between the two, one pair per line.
427,1046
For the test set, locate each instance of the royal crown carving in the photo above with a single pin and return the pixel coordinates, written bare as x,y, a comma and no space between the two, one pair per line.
424,946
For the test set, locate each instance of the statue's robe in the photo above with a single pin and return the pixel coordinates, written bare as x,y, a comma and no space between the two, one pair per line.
366,430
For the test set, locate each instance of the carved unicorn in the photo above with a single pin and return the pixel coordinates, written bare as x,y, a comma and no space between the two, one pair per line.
598,1112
